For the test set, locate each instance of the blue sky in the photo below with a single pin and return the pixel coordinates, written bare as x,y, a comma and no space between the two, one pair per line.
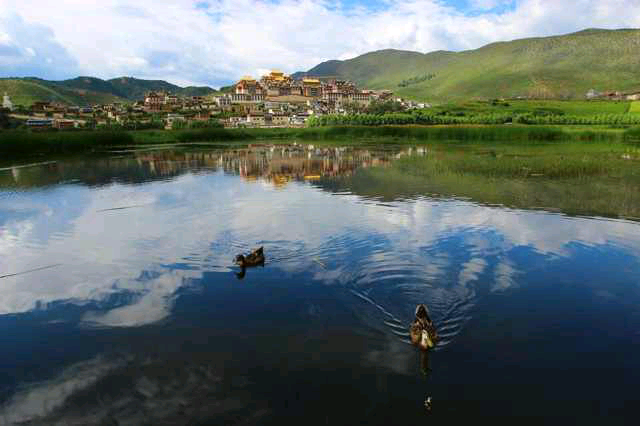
213,42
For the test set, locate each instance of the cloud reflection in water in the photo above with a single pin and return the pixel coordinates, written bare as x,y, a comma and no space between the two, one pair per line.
129,268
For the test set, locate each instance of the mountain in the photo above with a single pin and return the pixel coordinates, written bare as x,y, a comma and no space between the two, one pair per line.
565,66
134,88
89,90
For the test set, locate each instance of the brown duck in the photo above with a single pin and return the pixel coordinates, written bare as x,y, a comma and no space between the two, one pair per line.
255,258
422,331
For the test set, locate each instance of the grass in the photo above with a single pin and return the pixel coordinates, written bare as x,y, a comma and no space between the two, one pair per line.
21,143
574,178
25,92
634,107
344,134
577,108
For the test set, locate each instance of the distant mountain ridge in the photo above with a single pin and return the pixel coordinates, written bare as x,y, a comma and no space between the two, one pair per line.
90,90
556,67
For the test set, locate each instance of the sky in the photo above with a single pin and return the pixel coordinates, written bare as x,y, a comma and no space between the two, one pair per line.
214,42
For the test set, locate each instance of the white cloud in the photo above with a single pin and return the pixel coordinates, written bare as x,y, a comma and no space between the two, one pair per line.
42,398
217,44
196,219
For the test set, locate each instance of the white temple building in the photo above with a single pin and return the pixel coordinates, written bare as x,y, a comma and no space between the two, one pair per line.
6,102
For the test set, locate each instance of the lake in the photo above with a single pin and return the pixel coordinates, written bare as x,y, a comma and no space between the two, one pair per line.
120,302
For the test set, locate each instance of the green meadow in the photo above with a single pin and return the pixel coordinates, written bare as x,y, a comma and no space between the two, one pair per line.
548,107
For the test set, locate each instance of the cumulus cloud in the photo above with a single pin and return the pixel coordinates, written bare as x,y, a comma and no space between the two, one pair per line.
31,49
215,42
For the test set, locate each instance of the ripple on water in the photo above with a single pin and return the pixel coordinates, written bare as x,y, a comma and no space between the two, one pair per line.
393,284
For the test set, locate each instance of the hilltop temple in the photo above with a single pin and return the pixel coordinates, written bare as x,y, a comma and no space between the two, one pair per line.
278,85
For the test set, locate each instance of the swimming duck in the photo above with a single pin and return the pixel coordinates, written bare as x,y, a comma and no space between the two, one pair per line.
427,404
422,331
255,258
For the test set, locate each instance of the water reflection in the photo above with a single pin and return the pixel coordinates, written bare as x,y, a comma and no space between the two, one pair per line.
144,318
277,164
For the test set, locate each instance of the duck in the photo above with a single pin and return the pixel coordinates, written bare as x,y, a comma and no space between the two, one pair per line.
428,404
422,330
255,258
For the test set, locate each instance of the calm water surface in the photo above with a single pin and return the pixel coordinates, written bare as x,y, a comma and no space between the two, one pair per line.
119,302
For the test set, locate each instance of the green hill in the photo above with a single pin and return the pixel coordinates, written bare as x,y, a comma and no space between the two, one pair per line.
135,88
29,90
89,90
558,67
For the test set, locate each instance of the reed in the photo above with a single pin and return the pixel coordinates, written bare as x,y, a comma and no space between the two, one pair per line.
18,142
21,142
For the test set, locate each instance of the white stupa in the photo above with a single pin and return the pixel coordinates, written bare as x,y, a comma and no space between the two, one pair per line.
6,102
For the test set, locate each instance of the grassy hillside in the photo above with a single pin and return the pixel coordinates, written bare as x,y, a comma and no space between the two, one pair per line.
538,107
551,67
27,91
89,90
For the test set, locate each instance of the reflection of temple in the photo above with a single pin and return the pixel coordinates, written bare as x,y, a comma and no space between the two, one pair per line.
281,164
278,164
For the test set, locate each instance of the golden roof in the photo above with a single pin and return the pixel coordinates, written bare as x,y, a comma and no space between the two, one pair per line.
311,80
247,78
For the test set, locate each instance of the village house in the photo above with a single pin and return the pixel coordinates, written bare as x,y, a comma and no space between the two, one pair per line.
39,123
64,124
593,94
299,119
613,95
246,98
311,87
237,121
222,101
248,86
172,118
273,106
202,116
280,120
41,106
154,101
337,90
256,120
171,100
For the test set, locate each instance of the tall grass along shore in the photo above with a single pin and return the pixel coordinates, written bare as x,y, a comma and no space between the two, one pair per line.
20,142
